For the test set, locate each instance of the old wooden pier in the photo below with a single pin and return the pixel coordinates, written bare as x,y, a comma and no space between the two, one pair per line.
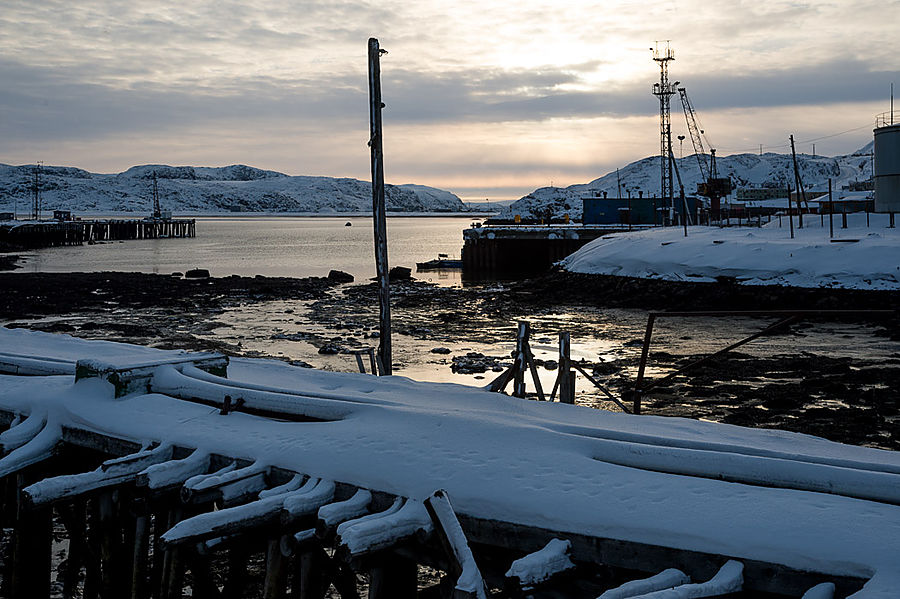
145,517
497,249
38,234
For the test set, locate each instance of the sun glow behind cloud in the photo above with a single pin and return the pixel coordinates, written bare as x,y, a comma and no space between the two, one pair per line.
480,97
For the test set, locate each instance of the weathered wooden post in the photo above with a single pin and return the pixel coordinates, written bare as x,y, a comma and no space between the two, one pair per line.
378,210
566,375
520,364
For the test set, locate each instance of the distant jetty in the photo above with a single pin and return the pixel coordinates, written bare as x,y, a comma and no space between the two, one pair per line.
31,234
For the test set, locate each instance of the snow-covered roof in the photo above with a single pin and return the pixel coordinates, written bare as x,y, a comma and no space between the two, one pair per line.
566,468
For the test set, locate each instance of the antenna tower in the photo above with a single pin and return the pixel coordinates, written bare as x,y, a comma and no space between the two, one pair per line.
156,211
664,91
36,192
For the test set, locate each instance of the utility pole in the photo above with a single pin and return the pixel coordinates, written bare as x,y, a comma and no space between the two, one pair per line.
790,211
378,210
798,183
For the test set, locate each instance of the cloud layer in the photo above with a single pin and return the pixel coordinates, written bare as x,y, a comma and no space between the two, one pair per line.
477,96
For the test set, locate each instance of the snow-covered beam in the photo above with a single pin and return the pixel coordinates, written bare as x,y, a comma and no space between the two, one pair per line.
110,474
24,365
204,488
131,377
256,515
729,579
169,381
173,473
779,472
333,514
39,448
540,566
666,579
22,431
386,529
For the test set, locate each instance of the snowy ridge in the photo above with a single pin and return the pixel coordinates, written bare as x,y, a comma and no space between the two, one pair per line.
524,462
746,170
235,188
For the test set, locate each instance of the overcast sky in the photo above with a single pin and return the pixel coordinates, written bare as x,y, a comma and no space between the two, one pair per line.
486,99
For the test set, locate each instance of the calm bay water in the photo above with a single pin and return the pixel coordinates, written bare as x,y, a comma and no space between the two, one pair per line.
271,246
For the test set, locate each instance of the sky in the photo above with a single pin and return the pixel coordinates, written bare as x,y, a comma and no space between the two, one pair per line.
485,99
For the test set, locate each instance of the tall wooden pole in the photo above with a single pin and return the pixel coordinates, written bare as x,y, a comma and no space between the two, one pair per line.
378,212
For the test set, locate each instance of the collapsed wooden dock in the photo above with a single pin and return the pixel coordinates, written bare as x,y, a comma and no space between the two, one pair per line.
164,477
38,234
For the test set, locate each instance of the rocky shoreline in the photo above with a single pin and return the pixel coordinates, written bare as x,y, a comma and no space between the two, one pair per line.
849,399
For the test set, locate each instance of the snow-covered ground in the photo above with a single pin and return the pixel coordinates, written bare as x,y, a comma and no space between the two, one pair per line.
567,468
859,257
187,189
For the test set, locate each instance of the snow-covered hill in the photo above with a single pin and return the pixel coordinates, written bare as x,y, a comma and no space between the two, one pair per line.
746,170
207,189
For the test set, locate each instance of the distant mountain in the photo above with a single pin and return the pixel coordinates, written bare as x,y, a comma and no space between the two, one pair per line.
746,170
236,188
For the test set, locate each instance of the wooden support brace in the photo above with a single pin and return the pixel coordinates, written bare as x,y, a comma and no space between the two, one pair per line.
469,583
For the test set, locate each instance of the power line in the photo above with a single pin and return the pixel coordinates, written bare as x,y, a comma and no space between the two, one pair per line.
787,145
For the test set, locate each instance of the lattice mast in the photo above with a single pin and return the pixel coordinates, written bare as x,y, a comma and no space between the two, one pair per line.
664,91
157,213
36,192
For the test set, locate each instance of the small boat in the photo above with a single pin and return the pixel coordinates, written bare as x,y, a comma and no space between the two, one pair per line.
441,262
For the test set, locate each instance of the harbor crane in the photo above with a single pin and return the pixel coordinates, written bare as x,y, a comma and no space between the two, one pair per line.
712,186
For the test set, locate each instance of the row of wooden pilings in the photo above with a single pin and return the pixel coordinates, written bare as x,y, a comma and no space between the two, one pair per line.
62,233
113,522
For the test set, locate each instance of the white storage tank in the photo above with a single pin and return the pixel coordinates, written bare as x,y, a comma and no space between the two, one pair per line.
887,164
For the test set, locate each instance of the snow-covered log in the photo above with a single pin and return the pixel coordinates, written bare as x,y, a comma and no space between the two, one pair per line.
307,504
211,487
729,579
333,514
386,529
292,485
541,565
23,432
666,579
820,591
41,447
353,396
173,473
169,381
229,521
34,365
111,473
731,466
469,582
